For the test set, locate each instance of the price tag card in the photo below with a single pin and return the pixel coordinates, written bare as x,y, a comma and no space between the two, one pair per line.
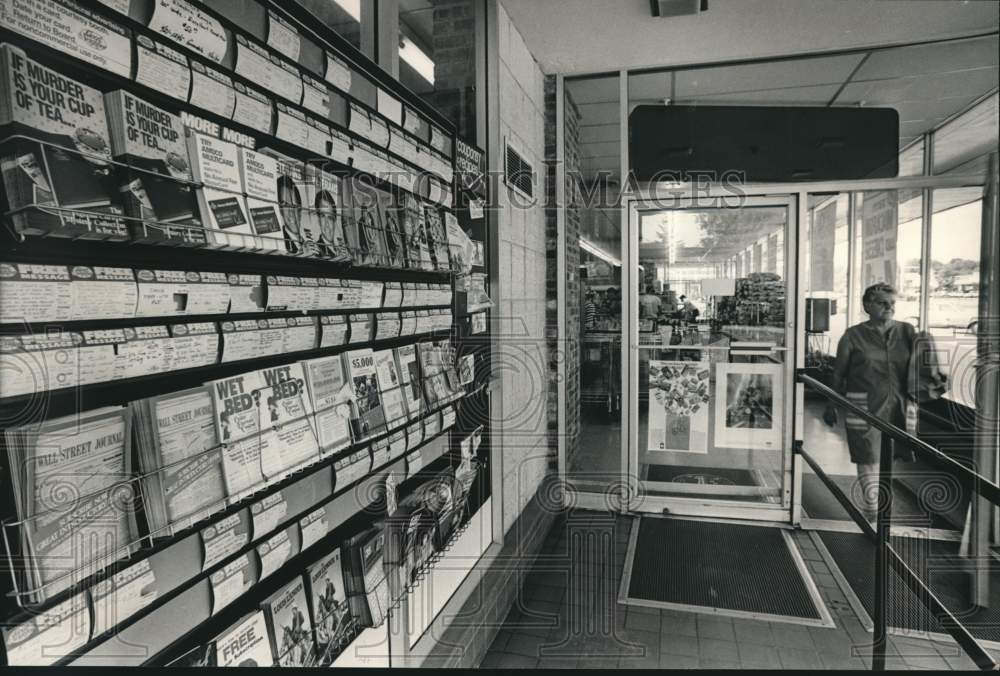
240,339
447,417
72,30
246,293
223,539
291,126
393,294
162,68
268,513
362,326
380,452
328,296
99,356
301,334
315,96
350,294
212,90
414,434
414,463
273,553
282,36
425,323
337,72
284,293
148,350
397,444
333,330
35,293
117,598
253,108
231,582
47,636
39,362
432,426
186,24
371,294
313,526
387,325
102,293
193,345
408,323
311,293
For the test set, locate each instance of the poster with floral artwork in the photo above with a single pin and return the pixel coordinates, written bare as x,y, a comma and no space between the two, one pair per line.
678,406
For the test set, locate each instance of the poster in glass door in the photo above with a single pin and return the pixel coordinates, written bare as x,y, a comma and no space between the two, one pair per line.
748,406
678,406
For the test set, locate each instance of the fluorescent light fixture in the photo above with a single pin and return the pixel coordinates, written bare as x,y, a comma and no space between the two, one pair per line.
593,250
415,56
352,7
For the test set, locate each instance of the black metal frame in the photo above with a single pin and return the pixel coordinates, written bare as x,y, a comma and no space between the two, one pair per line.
886,556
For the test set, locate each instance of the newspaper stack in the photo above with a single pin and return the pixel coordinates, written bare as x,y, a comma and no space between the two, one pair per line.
180,459
73,495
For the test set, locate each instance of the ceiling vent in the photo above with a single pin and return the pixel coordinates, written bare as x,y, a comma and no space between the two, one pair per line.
519,175
678,7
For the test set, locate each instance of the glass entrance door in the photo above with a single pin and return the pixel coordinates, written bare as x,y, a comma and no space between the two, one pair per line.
711,298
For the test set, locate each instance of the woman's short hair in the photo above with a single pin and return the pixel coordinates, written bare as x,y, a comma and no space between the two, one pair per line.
870,292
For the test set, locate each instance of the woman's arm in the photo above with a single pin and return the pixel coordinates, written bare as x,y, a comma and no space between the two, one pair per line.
839,385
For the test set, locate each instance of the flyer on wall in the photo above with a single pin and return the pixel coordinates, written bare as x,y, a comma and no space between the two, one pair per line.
748,413
678,406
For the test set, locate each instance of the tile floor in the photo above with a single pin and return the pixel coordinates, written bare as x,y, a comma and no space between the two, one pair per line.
567,616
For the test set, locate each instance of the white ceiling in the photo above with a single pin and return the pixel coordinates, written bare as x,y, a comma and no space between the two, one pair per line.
592,36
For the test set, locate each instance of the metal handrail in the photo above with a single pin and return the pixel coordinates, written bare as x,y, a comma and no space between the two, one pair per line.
983,486
948,621
885,555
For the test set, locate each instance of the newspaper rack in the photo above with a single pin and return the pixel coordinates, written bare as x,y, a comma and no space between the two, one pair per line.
15,531
304,492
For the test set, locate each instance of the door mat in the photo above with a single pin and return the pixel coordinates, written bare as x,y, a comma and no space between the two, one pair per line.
724,568
819,503
936,562
704,475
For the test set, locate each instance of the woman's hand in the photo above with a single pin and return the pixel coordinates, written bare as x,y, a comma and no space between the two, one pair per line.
830,416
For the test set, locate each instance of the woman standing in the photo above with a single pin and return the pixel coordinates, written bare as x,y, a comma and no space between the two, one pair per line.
871,370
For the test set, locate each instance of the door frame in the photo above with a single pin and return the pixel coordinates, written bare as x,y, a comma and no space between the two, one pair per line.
633,207
663,194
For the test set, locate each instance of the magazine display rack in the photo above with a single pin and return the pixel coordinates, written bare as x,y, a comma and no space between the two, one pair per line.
174,586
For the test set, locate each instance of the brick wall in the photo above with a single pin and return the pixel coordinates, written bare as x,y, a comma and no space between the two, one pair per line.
569,351
454,57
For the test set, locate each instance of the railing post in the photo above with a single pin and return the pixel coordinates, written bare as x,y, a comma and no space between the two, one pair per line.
880,632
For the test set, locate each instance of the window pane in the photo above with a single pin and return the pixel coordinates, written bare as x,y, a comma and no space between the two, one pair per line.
953,288
968,136
911,160
342,16
826,250
887,248
437,57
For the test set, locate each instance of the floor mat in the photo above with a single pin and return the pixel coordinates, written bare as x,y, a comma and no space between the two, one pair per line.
936,562
705,475
819,503
746,569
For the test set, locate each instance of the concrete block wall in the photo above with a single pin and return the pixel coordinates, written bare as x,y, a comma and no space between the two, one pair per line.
521,361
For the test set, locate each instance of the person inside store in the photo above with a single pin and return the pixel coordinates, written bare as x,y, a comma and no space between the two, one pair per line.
649,304
689,313
871,370
589,310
